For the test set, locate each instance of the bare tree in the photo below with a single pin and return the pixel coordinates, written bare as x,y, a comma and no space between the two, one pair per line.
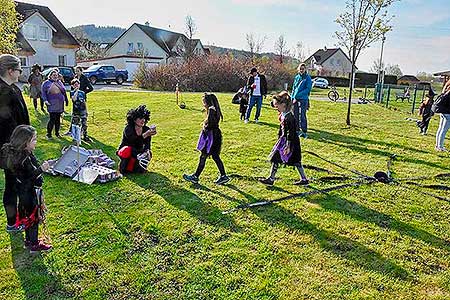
300,52
394,70
281,48
89,49
254,44
375,68
190,43
363,23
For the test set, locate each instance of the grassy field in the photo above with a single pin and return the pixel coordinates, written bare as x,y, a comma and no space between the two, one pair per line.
154,236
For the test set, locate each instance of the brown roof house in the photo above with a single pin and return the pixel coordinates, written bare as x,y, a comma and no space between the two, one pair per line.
151,45
42,39
329,62
408,80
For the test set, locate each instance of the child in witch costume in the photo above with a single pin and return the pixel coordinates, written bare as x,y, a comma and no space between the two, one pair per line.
210,140
19,159
135,148
287,149
426,112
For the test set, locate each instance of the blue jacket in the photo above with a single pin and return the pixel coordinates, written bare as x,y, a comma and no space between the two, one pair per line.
301,87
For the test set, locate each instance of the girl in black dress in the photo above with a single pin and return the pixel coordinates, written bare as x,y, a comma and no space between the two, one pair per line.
19,159
287,149
135,148
210,140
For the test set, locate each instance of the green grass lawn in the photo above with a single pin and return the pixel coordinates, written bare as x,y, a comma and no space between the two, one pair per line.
155,236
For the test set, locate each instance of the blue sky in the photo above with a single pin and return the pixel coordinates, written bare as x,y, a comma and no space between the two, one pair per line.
420,40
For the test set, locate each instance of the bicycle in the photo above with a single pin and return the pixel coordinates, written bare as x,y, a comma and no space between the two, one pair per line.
333,95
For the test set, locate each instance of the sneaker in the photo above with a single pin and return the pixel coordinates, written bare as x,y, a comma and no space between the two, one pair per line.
26,245
48,137
222,179
302,182
246,121
440,149
68,133
191,178
14,228
256,121
303,135
40,246
267,181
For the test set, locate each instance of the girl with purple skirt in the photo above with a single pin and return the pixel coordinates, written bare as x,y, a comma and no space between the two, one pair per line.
287,149
210,140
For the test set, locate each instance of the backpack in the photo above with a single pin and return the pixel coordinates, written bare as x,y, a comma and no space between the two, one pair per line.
441,104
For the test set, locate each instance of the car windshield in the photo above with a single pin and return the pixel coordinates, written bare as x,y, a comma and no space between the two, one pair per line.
93,68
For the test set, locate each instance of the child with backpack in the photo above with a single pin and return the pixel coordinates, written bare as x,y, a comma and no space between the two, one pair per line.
287,150
19,159
210,140
79,109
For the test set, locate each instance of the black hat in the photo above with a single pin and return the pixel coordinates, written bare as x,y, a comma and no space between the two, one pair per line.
253,70
36,67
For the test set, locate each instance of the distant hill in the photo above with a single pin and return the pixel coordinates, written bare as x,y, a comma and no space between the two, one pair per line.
100,34
245,54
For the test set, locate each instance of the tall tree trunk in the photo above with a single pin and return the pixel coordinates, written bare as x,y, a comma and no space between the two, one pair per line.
352,74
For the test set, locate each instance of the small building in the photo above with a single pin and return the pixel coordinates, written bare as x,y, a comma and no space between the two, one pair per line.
151,45
329,62
408,80
42,39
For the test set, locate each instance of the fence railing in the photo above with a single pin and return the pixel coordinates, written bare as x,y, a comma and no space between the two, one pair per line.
400,97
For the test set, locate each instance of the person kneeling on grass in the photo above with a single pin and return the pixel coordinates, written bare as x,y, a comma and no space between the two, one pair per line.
17,156
135,149
210,140
287,149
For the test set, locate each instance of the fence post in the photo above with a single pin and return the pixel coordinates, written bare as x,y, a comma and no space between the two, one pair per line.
414,99
365,92
388,95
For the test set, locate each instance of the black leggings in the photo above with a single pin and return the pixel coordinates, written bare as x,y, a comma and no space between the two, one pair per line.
35,103
54,121
202,162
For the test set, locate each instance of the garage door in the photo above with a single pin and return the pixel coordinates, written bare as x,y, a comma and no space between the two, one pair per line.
132,67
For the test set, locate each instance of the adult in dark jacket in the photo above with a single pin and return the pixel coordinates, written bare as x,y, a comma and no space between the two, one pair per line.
85,84
257,85
135,147
13,112
444,123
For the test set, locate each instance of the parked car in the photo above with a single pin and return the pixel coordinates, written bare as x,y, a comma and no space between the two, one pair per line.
320,83
105,73
67,72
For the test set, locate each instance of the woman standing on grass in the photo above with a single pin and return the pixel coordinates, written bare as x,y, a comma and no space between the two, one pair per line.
35,80
54,96
20,160
443,107
210,140
287,149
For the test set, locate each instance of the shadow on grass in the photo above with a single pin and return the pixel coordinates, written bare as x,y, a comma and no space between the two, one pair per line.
343,247
36,280
365,214
360,145
184,199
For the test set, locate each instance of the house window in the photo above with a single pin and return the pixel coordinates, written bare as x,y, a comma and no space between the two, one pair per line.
30,31
140,46
62,60
43,33
23,61
130,47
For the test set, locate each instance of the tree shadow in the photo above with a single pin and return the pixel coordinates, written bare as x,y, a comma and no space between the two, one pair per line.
364,214
184,199
350,250
271,125
358,144
36,280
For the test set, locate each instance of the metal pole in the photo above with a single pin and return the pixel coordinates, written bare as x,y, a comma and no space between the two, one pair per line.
381,58
388,95
414,99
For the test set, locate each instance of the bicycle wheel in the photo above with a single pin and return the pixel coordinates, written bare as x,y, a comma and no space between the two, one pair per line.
333,96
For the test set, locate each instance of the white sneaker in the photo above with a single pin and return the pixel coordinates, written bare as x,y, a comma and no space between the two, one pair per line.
246,121
256,120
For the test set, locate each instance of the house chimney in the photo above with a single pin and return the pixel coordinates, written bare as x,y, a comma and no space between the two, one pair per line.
147,23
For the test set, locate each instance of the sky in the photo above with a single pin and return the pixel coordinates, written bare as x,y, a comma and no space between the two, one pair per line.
419,41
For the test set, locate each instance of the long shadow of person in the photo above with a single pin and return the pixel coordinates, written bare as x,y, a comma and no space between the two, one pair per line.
352,251
184,199
36,280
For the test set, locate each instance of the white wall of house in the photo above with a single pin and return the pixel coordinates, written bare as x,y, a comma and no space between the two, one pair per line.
38,33
128,44
338,65
199,50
